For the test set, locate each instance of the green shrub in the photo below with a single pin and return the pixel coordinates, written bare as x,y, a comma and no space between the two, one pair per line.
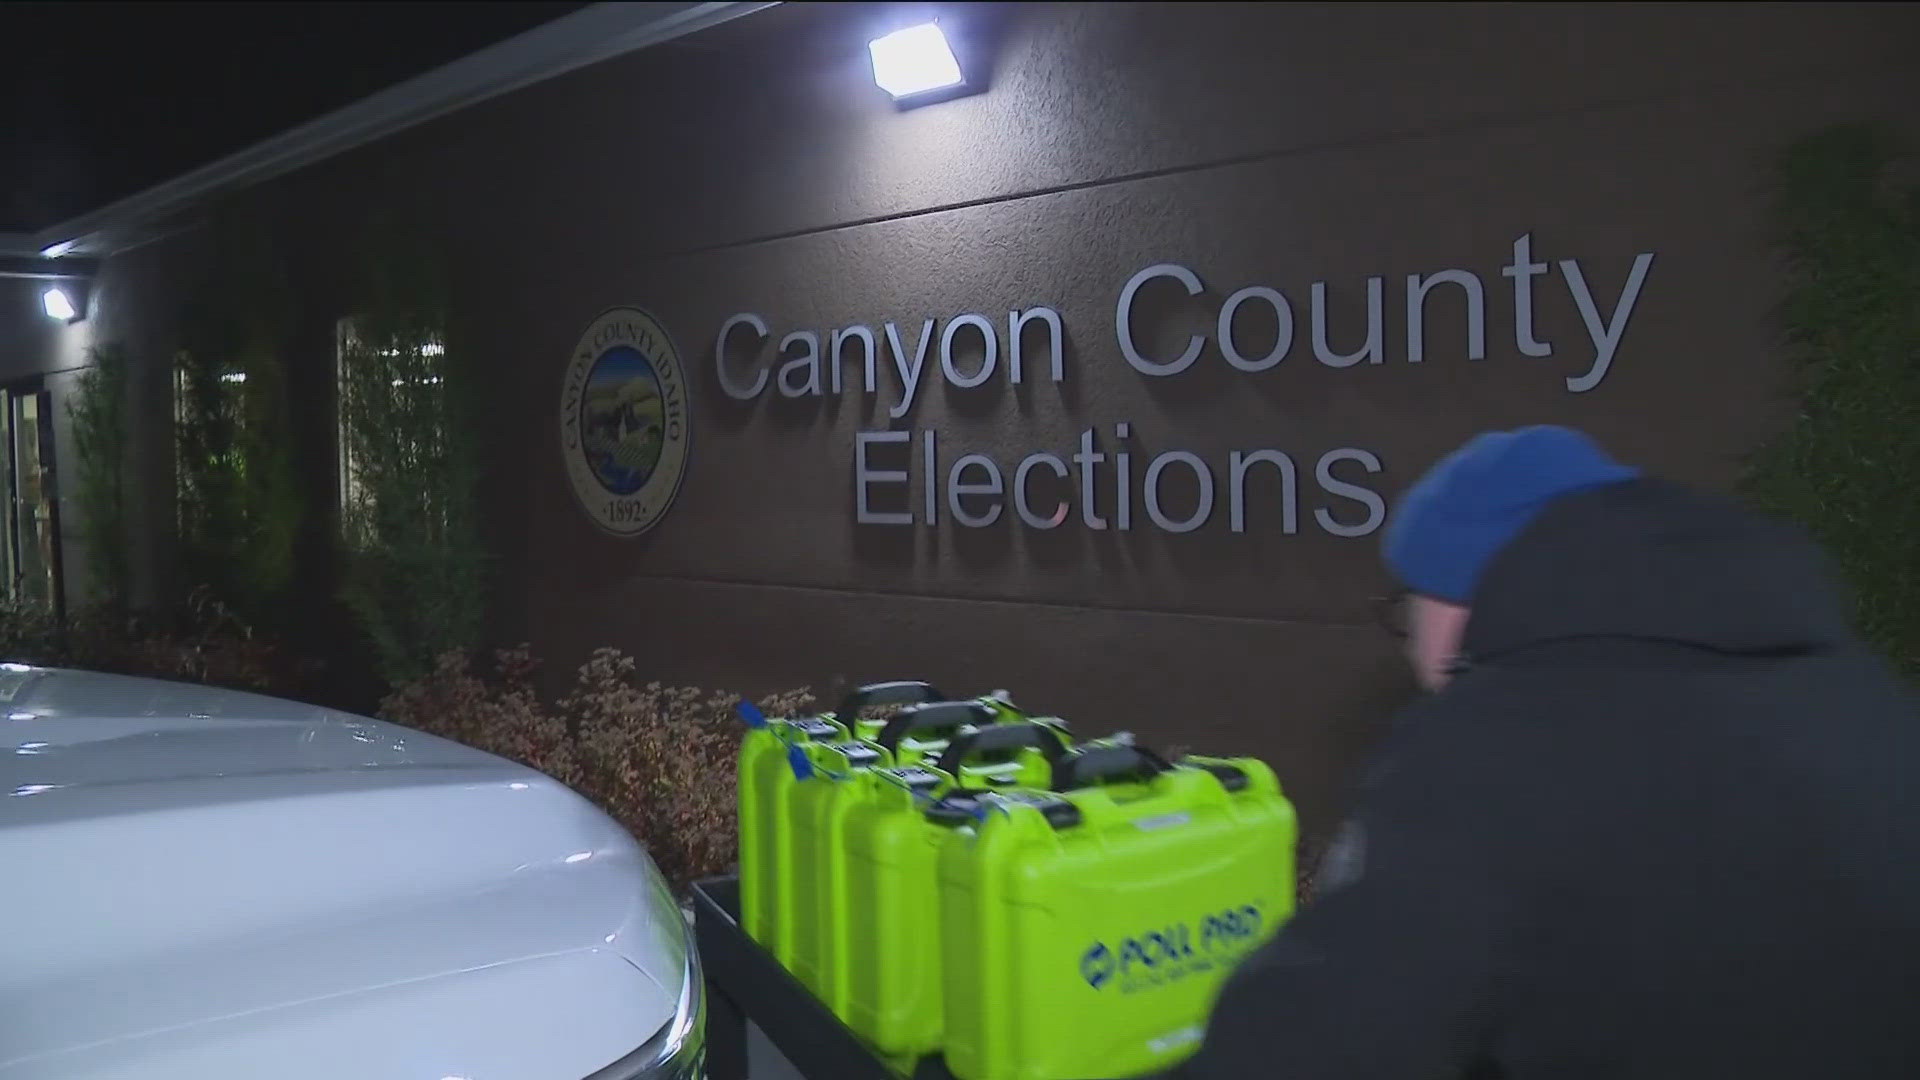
1848,467
659,760
98,415
415,568
31,633
202,642
239,508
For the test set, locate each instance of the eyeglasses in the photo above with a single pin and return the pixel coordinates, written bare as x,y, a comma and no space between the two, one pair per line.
1390,612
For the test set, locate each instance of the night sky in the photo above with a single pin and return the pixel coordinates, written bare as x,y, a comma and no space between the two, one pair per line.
102,100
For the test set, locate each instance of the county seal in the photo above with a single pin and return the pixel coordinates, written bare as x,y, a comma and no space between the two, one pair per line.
623,421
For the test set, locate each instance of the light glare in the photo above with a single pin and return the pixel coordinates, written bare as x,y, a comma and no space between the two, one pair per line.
58,305
914,61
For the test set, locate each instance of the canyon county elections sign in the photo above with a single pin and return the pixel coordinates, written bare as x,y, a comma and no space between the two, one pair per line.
1110,488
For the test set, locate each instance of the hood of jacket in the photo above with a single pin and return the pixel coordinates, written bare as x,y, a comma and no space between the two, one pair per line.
1648,560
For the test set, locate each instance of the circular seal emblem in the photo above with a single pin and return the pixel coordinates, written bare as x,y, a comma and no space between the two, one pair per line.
623,421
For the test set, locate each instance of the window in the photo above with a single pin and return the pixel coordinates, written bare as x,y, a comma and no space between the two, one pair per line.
209,419
32,524
392,416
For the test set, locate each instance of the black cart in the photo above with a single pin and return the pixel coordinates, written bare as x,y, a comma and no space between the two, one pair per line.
744,982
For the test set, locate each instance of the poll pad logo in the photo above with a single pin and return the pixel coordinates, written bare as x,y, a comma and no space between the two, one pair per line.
1163,955
623,421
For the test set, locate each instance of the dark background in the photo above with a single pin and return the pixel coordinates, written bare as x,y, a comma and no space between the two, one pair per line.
101,100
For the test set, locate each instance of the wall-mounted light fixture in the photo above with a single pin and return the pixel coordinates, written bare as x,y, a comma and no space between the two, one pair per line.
65,285
58,304
916,64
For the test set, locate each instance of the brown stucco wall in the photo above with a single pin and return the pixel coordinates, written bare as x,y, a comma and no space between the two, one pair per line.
755,168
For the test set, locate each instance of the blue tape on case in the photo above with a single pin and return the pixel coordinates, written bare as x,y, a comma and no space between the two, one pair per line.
802,764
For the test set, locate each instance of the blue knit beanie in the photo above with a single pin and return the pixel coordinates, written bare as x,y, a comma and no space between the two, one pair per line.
1451,524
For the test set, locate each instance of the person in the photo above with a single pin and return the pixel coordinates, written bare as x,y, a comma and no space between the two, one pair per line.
1660,816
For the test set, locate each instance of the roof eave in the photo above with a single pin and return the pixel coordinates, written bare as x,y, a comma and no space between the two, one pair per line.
593,34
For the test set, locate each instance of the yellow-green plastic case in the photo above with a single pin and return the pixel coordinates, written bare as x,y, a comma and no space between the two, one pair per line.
887,956
818,809
1085,932
765,776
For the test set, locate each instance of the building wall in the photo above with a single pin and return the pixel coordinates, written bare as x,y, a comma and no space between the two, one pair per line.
755,169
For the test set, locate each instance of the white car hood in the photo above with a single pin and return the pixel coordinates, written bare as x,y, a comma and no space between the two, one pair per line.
208,884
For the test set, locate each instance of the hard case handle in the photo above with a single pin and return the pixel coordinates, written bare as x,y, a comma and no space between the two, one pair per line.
903,692
1089,767
932,716
986,740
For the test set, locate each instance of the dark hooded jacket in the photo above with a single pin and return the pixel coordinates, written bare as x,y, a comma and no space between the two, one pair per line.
1665,823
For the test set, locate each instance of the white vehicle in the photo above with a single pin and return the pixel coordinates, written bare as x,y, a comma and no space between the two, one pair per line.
198,884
